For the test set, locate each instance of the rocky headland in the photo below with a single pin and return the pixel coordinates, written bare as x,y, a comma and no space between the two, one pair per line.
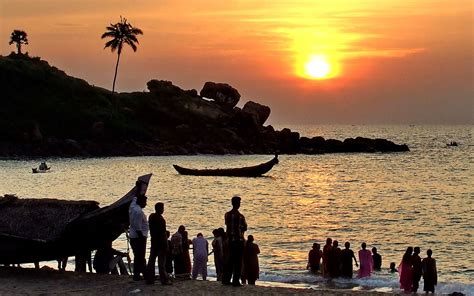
45,112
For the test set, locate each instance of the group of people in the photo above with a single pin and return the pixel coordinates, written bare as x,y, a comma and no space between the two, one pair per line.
412,268
338,263
235,258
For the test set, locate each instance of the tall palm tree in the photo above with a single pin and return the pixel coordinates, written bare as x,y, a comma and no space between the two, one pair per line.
19,37
121,33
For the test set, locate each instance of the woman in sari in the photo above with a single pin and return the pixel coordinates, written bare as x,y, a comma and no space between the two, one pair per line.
366,262
404,269
251,267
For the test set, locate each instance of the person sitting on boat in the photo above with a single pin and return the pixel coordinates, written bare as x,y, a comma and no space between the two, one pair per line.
43,166
107,258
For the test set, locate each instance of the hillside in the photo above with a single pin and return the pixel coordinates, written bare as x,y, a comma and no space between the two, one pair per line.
45,112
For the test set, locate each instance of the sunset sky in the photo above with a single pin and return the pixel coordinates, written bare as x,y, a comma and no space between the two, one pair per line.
311,61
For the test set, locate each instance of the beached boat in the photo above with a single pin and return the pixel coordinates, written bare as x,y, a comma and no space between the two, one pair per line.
251,171
34,230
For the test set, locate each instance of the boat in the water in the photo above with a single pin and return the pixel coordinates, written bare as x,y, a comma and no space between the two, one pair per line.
33,230
251,171
42,168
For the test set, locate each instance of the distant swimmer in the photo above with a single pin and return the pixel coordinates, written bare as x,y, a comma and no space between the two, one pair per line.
393,268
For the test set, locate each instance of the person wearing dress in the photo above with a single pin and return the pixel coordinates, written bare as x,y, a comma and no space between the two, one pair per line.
346,261
430,274
200,253
405,272
218,250
366,262
251,265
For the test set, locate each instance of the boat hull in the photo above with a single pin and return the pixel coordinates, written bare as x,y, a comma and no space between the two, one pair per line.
85,233
252,171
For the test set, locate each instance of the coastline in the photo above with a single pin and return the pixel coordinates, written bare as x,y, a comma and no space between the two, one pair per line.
27,281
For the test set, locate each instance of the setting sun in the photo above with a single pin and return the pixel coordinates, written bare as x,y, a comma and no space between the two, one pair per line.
318,67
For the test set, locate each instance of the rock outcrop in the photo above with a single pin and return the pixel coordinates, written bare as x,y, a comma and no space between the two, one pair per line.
84,120
222,93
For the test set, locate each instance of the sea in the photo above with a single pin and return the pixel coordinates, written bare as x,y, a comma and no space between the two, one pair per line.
423,198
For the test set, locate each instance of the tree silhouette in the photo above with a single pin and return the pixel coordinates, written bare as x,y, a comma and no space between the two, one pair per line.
121,33
19,37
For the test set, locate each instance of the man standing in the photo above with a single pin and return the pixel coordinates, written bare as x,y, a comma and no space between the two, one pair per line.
138,233
159,246
236,226
200,253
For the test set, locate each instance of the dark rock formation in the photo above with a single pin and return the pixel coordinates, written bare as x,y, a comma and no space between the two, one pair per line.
222,93
258,112
59,115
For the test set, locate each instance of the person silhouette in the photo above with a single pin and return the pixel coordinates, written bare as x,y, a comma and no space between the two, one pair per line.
430,274
377,258
346,261
236,227
416,269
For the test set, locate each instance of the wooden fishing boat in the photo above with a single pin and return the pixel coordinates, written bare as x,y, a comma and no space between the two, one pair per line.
251,171
34,230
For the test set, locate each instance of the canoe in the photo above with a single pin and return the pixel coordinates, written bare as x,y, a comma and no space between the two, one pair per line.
251,171
33,230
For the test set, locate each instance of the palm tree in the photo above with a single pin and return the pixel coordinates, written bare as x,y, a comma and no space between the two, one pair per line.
19,37
121,33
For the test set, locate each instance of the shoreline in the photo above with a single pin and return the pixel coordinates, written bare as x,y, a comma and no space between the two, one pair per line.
28,281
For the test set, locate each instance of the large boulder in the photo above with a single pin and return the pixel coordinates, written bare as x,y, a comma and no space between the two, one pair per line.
222,93
259,112
163,87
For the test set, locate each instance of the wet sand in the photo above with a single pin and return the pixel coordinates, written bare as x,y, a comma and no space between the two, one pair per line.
25,281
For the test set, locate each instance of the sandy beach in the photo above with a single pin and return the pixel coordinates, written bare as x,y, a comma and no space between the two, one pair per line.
25,281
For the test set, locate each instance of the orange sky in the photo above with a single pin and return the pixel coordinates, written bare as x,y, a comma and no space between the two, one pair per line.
392,61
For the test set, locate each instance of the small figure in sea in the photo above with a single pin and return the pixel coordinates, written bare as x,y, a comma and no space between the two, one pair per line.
334,264
430,274
405,271
417,270
236,227
377,258
326,250
393,268
365,261
159,246
346,261
314,258
251,265
107,258
218,250
200,253
138,232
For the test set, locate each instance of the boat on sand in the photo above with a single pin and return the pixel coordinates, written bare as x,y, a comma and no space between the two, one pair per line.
250,171
33,230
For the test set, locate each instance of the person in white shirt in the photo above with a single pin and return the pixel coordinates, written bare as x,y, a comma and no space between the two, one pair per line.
200,253
138,233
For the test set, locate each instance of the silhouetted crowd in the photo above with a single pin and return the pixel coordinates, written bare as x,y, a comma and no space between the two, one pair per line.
332,262
236,259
